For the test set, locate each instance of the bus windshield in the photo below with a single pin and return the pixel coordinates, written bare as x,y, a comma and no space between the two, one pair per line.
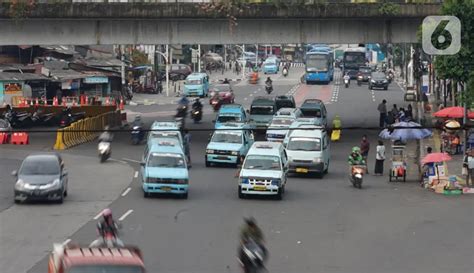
316,63
354,59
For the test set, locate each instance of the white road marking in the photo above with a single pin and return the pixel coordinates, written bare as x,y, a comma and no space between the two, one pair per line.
125,215
136,174
66,242
117,160
126,191
245,98
251,95
98,216
131,160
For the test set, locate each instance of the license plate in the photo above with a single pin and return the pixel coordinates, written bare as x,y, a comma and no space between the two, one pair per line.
301,170
259,188
165,188
222,157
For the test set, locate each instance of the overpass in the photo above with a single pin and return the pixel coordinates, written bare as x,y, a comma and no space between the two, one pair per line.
191,23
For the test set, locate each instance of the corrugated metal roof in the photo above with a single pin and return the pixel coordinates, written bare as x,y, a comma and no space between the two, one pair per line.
8,76
69,50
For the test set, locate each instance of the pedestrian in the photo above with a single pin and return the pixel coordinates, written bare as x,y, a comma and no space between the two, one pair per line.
382,108
230,65
379,158
409,112
364,150
187,143
429,150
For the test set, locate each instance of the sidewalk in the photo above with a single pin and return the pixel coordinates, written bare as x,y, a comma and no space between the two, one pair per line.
452,167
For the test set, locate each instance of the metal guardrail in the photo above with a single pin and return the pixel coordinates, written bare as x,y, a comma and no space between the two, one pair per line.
291,2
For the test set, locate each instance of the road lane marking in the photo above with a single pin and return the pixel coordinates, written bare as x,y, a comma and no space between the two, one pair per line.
126,191
373,95
98,216
125,214
136,174
117,160
131,160
245,98
66,242
251,95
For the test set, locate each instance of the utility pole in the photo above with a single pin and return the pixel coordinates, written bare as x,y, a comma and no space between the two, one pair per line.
225,56
122,65
199,58
244,62
167,70
256,54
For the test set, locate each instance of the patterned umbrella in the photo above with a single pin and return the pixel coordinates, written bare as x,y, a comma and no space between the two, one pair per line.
408,130
453,112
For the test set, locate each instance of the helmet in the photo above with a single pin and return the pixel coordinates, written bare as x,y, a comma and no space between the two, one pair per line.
107,212
250,221
355,149
197,100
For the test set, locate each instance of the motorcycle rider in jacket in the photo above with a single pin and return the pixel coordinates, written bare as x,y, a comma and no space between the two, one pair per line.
107,224
250,230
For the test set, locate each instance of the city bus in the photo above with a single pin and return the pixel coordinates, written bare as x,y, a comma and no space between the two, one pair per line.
354,57
319,65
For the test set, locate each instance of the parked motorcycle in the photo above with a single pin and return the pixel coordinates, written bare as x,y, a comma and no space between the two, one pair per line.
253,257
137,135
18,119
104,149
357,175
68,118
196,114
39,118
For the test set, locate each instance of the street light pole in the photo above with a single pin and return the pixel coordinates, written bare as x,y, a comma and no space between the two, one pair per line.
167,70
199,58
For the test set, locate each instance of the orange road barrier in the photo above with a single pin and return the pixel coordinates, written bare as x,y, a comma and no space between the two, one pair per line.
3,138
63,102
20,138
121,107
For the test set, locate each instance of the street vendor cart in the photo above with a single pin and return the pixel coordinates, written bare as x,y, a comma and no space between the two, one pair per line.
398,170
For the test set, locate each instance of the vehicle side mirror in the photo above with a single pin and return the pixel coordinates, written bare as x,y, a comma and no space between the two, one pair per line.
247,111
15,173
142,163
64,173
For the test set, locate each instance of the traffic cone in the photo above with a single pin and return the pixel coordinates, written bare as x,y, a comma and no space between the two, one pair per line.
31,102
121,106
55,101
37,102
64,101
74,102
107,102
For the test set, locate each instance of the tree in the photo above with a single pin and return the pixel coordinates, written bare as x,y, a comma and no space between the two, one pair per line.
458,67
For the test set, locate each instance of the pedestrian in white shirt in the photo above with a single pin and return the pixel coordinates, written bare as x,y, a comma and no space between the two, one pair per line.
379,158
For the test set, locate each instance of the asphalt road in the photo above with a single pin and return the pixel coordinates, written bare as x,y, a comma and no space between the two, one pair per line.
322,225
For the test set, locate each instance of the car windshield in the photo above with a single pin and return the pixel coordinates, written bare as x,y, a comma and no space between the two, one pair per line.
285,104
193,82
365,70
104,268
378,76
261,110
304,144
40,166
227,137
262,162
166,160
229,119
311,112
282,121
270,63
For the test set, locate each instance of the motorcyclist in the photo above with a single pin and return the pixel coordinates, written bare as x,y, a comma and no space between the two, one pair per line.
137,121
183,101
106,225
226,81
106,136
197,104
356,158
269,81
347,77
250,231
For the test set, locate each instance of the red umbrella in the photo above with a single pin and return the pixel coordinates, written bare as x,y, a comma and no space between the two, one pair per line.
453,112
435,157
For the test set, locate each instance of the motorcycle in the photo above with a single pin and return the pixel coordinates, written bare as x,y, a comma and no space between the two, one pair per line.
268,88
346,82
180,122
285,72
253,257
182,111
137,135
216,103
104,151
357,175
18,119
38,118
68,118
390,77
196,114
109,240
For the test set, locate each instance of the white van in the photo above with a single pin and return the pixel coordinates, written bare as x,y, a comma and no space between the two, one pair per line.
308,151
